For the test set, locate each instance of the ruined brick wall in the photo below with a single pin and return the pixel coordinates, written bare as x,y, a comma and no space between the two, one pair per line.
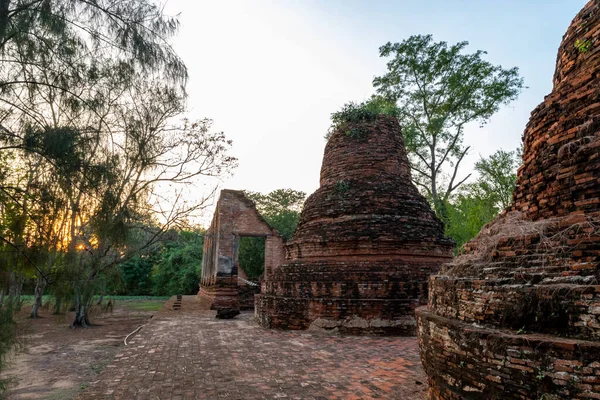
365,244
517,314
273,254
234,216
246,290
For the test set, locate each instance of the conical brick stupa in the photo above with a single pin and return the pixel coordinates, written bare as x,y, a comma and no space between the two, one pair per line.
366,243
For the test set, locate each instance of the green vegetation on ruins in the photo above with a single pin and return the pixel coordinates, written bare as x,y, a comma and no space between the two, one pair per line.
352,115
583,45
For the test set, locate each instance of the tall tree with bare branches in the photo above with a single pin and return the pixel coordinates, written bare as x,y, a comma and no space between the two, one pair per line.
92,92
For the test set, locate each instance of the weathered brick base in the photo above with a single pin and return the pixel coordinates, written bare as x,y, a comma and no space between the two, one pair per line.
467,362
221,294
246,295
376,297
346,316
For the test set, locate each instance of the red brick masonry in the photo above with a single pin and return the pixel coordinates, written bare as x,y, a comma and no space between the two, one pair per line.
365,246
517,315
234,216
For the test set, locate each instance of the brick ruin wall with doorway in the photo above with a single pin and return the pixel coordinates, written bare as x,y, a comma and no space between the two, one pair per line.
366,243
517,314
235,216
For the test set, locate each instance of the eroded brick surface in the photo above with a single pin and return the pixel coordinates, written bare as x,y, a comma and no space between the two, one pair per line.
366,243
188,354
517,314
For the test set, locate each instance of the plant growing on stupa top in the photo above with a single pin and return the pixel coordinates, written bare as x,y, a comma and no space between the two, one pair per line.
352,117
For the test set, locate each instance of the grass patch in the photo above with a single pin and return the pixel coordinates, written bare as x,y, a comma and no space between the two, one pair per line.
127,298
27,299
131,303
147,305
139,303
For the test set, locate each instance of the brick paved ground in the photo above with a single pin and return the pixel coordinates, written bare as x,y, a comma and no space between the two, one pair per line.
188,354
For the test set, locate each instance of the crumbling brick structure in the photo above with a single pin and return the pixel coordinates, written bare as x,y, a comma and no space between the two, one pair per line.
517,315
366,243
234,216
247,289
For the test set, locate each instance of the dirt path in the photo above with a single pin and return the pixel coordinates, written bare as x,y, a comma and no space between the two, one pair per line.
59,362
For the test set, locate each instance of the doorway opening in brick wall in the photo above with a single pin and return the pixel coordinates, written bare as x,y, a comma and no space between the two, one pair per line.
251,265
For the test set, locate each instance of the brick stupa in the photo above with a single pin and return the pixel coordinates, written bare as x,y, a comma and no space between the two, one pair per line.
517,315
366,243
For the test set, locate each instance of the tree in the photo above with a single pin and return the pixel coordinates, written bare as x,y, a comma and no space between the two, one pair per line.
59,59
137,275
468,211
498,175
477,203
439,90
90,90
114,204
281,209
59,43
177,270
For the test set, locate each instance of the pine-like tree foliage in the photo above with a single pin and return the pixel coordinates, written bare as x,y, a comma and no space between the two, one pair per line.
89,90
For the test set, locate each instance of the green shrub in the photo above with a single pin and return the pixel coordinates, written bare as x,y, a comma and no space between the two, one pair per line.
352,115
177,270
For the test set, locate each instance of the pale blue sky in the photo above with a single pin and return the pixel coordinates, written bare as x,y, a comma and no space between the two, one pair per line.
270,73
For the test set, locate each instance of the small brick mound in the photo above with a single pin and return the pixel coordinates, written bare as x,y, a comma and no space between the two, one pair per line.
517,315
366,243
189,354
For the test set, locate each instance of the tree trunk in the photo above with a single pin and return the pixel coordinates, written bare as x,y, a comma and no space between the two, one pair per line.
19,303
1,296
441,210
15,289
12,287
101,299
58,305
39,292
81,313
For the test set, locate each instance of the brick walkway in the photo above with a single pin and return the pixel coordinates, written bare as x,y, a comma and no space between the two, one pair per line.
188,354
